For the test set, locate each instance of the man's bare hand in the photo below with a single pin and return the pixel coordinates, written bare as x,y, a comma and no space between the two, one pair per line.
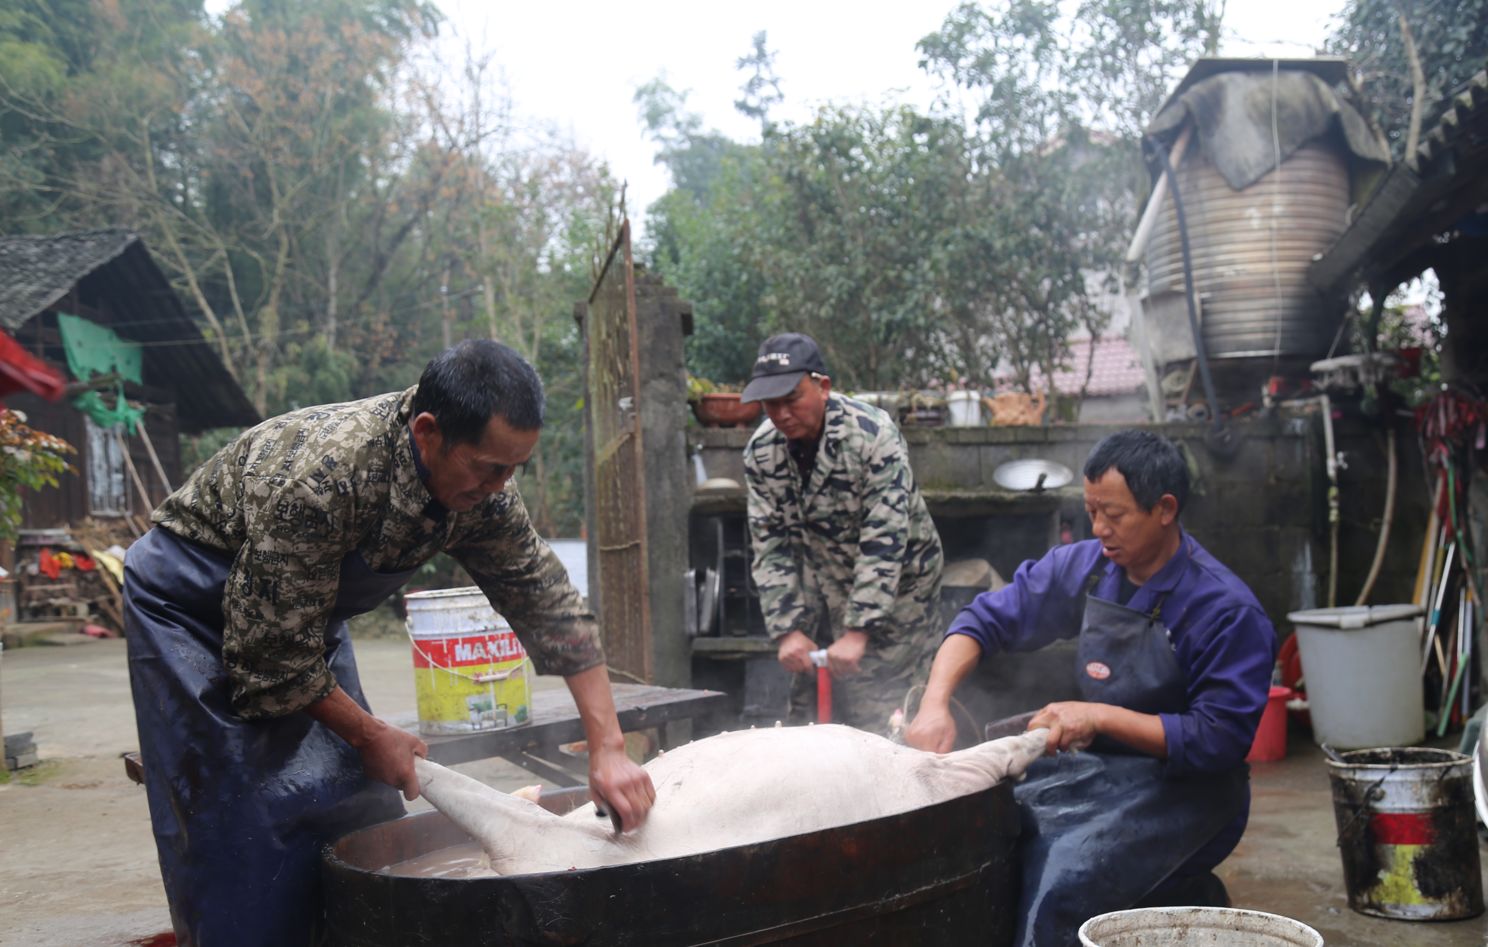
615,781
387,756
933,729
1073,724
794,652
845,653
387,752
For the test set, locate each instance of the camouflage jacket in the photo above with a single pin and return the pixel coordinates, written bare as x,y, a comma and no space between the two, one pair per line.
852,548
294,496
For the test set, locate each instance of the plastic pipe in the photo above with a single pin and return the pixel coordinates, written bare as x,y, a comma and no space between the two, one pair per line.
1189,292
1384,536
1332,465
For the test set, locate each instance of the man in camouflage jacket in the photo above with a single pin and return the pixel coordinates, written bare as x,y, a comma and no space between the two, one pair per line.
254,732
845,552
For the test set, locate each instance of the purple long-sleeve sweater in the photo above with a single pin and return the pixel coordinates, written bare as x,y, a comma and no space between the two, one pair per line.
1220,636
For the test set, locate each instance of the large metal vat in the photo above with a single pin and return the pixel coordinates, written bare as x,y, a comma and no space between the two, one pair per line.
946,874
1251,250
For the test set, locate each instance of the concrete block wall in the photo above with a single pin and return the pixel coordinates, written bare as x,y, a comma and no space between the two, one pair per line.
1262,511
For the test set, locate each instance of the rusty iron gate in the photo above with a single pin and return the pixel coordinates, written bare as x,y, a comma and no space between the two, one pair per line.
624,608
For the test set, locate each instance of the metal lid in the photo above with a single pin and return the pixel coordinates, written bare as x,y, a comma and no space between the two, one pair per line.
1032,474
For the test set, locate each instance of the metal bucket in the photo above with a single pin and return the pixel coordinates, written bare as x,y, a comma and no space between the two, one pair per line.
470,672
945,874
1192,927
1407,833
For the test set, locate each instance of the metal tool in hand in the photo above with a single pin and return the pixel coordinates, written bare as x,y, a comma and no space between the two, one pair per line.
818,659
1009,726
603,810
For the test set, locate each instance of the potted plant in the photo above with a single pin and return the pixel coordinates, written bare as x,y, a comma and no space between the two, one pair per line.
718,405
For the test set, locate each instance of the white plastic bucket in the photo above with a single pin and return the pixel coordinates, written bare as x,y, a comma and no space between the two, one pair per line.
965,408
470,671
1361,666
1192,927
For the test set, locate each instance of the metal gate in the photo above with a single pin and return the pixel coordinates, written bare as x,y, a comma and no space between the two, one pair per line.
619,467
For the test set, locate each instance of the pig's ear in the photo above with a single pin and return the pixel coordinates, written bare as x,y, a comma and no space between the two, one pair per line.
986,764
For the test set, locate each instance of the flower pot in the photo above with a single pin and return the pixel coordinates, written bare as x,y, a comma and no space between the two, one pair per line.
725,410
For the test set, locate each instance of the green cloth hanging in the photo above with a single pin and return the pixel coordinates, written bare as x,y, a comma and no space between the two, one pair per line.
94,350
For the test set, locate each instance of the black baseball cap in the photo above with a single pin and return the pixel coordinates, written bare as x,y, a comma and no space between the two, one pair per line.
783,361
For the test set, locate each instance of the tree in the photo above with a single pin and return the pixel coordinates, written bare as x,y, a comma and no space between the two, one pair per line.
761,91
329,204
1060,105
863,239
1450,41
29,460
697,231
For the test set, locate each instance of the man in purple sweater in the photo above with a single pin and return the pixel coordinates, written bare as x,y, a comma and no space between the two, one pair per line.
1174,664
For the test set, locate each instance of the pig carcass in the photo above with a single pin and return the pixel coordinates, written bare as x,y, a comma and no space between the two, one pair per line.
736,788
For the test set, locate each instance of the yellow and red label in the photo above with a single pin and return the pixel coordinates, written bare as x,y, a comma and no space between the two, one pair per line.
1399,838
471,682
494,647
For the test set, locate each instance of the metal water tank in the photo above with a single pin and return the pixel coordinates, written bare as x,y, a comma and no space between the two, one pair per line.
1250,252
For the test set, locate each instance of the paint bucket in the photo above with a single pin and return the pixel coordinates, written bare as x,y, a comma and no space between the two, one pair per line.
1362,667
1191,927
965,408
469,669
1271,735
1407,833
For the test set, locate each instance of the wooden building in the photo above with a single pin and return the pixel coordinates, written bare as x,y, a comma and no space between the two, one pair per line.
108,279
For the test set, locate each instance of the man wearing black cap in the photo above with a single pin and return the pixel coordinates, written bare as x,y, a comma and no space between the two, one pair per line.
845,553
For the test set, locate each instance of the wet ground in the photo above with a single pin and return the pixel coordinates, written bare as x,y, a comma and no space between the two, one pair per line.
77,862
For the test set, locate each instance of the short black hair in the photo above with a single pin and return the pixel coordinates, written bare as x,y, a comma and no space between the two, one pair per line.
467,385
1151,464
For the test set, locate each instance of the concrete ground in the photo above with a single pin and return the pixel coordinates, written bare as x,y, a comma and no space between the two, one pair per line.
77,861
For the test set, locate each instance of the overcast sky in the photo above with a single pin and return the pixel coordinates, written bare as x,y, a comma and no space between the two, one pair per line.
577,63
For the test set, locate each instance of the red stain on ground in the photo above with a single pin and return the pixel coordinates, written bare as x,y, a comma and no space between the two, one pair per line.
167,939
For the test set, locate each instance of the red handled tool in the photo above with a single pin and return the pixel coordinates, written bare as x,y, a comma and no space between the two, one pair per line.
823,685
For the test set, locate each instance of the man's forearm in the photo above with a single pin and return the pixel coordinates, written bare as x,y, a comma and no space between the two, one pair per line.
596,705
957,656
345,718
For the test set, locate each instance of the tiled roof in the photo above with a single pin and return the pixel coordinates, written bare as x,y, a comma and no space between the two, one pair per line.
37,271
1116,370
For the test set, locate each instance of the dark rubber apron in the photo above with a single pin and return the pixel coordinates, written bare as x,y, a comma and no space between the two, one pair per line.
240,808
1106,826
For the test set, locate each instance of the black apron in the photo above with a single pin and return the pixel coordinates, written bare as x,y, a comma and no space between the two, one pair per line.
240,808
1105,827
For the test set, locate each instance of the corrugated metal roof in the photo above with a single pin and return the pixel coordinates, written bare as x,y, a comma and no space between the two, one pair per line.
1413,202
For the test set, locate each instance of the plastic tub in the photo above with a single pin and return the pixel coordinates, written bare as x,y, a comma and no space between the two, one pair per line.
1192,927
1271,735
1362,671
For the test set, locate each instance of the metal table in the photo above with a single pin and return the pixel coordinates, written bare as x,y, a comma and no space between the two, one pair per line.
536,746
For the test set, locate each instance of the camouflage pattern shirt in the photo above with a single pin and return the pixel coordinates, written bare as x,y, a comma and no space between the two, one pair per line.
852,545
294,496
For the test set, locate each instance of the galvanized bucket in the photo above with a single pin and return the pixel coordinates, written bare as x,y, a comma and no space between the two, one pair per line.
1407,833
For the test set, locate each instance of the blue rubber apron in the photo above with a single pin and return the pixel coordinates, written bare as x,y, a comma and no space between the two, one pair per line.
240,808
1105,827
